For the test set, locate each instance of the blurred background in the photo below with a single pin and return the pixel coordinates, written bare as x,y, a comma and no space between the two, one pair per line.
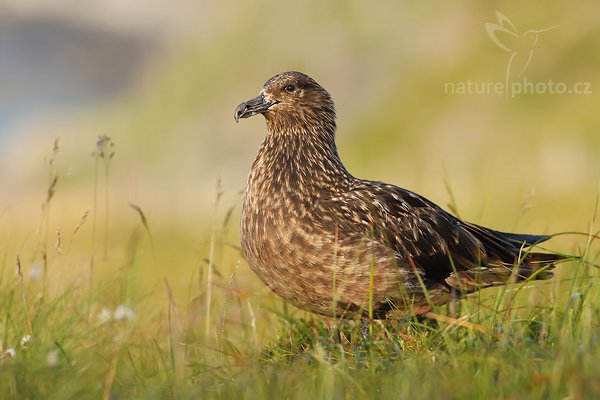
162,80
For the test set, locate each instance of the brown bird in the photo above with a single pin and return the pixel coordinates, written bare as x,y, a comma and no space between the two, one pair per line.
337,245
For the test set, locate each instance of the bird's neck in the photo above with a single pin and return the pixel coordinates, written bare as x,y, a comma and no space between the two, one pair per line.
302,163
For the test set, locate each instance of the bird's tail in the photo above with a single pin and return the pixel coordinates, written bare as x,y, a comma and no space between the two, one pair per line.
509,259
532,266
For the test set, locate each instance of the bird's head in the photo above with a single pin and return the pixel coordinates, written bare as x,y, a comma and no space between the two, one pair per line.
291,102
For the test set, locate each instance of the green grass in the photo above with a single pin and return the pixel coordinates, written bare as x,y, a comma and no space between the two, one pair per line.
193,322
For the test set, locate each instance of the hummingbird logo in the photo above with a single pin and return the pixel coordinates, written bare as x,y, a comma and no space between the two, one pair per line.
520,46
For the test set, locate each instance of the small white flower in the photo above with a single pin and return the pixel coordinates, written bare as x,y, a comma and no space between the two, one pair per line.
35,271
25,341
104,315
10,353
123,312
52,358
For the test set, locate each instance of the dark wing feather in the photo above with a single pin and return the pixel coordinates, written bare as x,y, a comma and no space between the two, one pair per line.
443,244
413,227
439,244
519,238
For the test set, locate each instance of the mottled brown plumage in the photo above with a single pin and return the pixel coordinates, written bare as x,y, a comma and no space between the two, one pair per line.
337,245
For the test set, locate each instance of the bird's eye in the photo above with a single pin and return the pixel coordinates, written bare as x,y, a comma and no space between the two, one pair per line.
290,88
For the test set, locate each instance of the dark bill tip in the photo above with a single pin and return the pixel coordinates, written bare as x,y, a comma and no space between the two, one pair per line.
257,105
240,112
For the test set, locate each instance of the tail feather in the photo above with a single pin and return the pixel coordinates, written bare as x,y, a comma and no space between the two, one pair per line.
546,258
508,260
478,278
534,266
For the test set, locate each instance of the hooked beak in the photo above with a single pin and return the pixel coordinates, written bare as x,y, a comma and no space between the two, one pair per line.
257,105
